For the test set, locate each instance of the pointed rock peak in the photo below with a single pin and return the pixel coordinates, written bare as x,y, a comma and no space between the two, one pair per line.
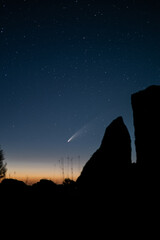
114,132
112,158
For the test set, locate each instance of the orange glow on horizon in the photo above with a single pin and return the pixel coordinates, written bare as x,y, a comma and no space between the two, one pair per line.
31,175
32,170
29,180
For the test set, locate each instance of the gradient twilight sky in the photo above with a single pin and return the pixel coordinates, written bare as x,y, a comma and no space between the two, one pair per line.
69,67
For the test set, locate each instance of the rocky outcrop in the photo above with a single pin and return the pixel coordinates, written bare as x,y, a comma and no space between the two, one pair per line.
146,114
111,159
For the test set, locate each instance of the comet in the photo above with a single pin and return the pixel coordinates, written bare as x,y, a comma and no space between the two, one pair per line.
82,130
78,133
71,138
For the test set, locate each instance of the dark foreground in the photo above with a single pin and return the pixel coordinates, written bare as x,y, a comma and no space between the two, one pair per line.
122,207
132,202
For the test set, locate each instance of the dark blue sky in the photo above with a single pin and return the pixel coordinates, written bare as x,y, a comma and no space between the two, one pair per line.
70,65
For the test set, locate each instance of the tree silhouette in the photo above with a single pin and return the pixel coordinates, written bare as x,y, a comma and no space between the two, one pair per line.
3,169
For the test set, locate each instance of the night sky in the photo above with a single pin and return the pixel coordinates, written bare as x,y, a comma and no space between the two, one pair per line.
67,69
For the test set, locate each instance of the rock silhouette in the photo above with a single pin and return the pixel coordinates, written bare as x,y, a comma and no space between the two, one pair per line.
111,160
146,114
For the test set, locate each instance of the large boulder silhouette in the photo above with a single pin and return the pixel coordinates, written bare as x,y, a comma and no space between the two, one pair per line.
111,160
146,114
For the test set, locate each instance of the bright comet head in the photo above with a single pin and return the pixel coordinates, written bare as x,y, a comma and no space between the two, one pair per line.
69,139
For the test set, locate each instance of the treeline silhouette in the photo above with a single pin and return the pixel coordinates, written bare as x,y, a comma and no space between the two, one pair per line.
109,183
